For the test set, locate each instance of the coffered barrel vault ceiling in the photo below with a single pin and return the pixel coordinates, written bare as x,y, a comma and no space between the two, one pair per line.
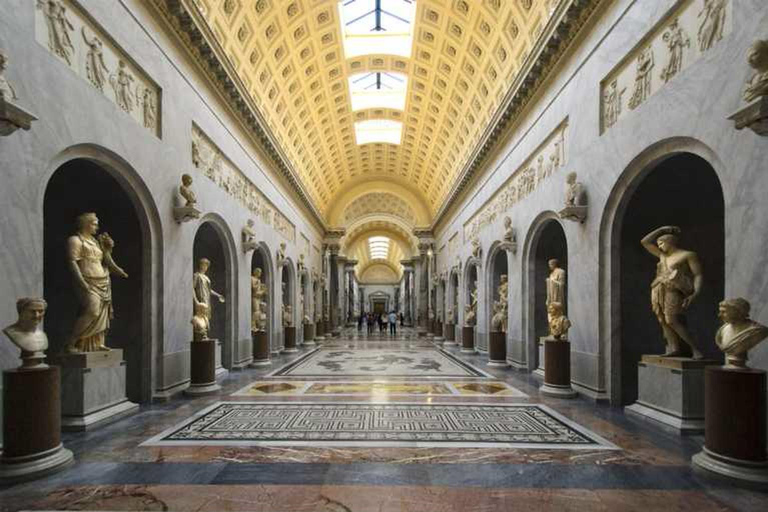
289,55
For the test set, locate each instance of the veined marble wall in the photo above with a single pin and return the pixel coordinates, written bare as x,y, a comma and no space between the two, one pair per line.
77,119
682,111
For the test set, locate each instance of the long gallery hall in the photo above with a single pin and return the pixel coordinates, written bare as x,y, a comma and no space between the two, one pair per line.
384,255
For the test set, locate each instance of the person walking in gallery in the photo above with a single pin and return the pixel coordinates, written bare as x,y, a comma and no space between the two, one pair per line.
369,317
393,323
402,319
360,321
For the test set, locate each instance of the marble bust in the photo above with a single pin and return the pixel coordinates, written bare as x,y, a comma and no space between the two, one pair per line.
499,319
469,316
558,322
189,210
287,315
477,249
27,334
7,91
575,200
185,190
739,333
757,57
248,236
281,253
509,231
200,322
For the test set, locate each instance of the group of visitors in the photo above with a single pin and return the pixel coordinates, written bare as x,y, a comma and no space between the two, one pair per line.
382,320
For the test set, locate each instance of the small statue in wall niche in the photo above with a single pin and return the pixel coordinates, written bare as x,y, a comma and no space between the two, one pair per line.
738,334
200,322
575,200
555,283
7,92
477,249
248,236
122,82
201,285
643,77
473,299
258,306
678,282
90,262
757,57
59,27
503,288
612,101
287,315
469,316
27,334
676,40
281,254
149,108
189,211
499,319
712,23
95,68
558,322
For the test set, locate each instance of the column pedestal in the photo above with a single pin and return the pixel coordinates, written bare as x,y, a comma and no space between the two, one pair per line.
93,389
309,335
439,332
468,339
557,369
290,340
671,391
497,349
32,425
202,368
260,349
735,435
450,335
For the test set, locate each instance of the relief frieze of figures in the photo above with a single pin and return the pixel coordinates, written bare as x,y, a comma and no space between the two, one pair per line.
64,29
683,37
548,158
210,161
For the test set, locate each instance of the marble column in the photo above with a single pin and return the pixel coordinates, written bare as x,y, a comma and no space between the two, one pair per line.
421,274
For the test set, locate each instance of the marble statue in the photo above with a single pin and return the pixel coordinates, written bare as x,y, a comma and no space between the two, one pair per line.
555,284
477,249
27,334
95,68
473,298
287,315
509,231
122,82
678,282
300,264
499,319
201,284
712,23
643,77
469,316
200,322
676,40
248,236
738,334
281,254
90,262
186,191
575,200
449,319
558,322
612,100
149,108
59,27
503,288
7,92
258,305
757,57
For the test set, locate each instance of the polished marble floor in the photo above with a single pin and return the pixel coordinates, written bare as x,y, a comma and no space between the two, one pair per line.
650,470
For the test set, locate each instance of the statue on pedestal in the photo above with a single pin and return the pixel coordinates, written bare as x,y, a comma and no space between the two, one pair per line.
555,284
189,211
575,200
499,319
200,322
90,263
27,334
739,333
258,305
558,322
201,285
757,57
469,316
678,282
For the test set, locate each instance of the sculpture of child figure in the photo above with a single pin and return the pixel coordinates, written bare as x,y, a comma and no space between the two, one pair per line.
558,322
200,322
739,333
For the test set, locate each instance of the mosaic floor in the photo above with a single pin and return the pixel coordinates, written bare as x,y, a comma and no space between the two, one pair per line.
378,389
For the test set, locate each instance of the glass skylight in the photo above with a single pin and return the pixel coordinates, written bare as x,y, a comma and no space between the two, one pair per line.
378,130
378,90
377,26
378,247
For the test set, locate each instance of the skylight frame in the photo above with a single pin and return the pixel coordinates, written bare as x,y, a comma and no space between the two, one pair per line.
378,89
378,247
367,28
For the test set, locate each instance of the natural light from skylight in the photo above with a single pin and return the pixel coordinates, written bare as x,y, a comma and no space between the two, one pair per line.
378,90
377,26
378,247
378,130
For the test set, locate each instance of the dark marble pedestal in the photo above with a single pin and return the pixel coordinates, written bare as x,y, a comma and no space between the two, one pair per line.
260,349
468,339
450,334
32,425
309,335
289,345
202,368
557,369
735,424
497,349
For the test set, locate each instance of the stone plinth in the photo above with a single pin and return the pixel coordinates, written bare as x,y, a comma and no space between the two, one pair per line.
497,349
450,334
289,345
541,363
557,369
754,117
13,117
468,339
202,368
671,391
93,389
260,349
735,419
309,335
32,425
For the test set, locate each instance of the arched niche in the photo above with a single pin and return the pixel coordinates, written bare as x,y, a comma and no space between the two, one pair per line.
306,291
103,184
546,241
213,242
471,274
453,299
261,259
497,267
288,289
680,189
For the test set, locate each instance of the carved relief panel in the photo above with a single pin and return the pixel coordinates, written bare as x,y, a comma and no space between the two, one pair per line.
75,39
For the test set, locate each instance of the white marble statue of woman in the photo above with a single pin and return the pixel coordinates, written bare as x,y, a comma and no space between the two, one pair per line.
90,263
676,41
95,68
643,82
59,27
149,108
555,283
201,285
739,333
712,23
27,334
122,81
678,282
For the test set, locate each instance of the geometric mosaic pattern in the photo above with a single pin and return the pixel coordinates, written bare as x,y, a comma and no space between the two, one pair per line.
379,389
373,424
411,363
